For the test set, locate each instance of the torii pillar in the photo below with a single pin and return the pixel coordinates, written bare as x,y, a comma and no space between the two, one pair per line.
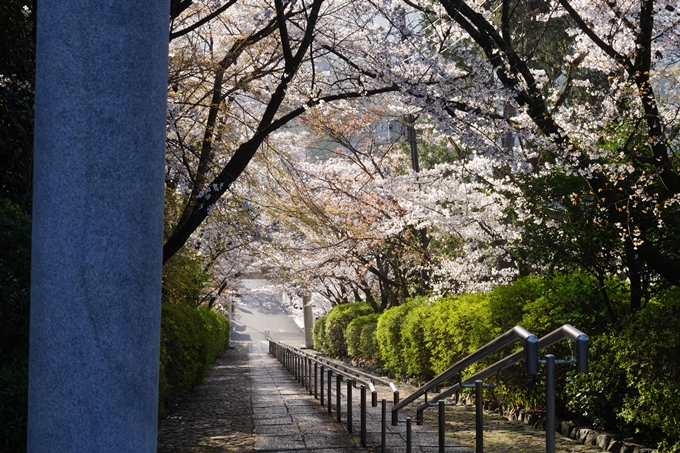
100,108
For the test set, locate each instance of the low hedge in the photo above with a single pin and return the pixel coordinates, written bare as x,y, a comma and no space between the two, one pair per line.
633,386
191,339
360,336
336,321
319,334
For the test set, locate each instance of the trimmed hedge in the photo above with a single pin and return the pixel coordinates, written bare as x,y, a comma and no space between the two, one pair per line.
191,339
319,333
360,336
389,337
633,386
336,321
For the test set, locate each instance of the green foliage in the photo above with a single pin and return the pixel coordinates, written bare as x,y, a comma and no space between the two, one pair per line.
635,372
361,343
184,279
15,270
319,333
459,325
337,320
388,335
575,299
17,71
507,302
416,350
191,339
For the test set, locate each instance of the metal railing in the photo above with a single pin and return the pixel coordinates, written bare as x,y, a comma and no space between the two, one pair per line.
314,371
316,374
529,353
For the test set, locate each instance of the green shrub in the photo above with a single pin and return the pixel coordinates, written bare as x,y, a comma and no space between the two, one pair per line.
191,339
416,349
337,320
361,342
507,302
635,373
319,333
574,299
388,336
15,271
459,326
369,343
184,279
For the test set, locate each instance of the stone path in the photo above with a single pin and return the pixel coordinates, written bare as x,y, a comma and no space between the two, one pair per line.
250,403
218,415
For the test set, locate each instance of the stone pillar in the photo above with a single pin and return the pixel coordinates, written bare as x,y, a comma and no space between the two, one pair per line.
308,318
100,108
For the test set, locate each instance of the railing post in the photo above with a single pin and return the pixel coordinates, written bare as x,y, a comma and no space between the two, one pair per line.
321,383
442,426
479,417
550,403
383,427
338,397
349,405
330,385
408,434
395,414
316,379
363,416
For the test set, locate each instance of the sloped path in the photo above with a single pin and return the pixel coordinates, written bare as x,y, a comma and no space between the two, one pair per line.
250,403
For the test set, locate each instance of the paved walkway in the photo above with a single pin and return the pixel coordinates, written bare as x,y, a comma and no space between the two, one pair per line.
250,403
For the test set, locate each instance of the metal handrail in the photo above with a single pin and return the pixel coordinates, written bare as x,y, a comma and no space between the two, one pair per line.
314,358
357,376
566,331
356,372
300,362
530,354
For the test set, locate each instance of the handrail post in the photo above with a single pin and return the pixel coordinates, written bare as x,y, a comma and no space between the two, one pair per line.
383,427
442,427
330,385
338,397
550,403
316,379
349,405
408,434
479,444
321,383
363,416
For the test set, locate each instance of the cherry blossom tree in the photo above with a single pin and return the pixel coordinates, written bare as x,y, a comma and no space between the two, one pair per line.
239,71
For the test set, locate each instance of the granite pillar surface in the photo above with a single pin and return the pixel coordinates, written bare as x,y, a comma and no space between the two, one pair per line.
101,84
